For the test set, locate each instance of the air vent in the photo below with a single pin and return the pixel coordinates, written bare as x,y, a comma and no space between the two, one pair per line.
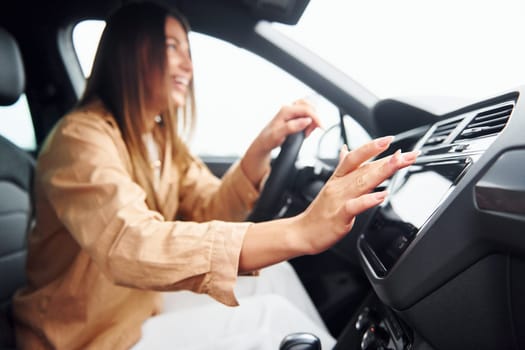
441,132
487,123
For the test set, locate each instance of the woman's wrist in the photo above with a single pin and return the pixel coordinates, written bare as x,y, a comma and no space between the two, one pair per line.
255,165
297,238
270,242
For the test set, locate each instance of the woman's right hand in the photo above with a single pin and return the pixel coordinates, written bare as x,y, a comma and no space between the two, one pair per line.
347,193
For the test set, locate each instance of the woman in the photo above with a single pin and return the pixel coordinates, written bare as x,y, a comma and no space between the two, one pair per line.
124,211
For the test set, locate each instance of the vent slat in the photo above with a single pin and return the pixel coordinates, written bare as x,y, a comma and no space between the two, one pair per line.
492,116
500,120
487,123
440,134
481,131
444,132
496,110
446,128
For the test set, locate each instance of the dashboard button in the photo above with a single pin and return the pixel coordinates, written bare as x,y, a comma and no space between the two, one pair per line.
366,319
375,338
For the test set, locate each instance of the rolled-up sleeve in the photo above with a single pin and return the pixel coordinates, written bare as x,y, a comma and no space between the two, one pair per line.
90,189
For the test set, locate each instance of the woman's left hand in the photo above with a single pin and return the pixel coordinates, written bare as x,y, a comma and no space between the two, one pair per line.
290,119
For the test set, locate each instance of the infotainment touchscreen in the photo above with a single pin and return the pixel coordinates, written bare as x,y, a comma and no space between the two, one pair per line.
414,194
417,193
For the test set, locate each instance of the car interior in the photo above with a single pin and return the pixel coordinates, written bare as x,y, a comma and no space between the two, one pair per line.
437,266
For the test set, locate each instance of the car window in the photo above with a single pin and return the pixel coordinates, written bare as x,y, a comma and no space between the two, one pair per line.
449,50
86,35
16,124
237,93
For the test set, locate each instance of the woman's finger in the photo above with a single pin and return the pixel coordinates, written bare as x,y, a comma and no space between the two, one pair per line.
355,206
282,130
306,102
300,110
343,152
369,176
289,120
355,158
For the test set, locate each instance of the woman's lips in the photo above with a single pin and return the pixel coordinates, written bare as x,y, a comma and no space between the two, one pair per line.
180,83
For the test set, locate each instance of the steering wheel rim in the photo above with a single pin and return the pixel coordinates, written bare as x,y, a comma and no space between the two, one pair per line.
278,180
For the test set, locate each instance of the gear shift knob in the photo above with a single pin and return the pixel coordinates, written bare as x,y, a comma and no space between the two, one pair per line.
300,341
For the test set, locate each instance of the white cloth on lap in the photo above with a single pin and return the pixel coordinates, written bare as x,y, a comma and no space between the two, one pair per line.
272,305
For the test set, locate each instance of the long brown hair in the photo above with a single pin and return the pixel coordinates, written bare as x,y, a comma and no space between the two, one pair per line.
129,73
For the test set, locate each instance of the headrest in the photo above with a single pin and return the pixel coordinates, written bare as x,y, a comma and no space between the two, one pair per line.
12,77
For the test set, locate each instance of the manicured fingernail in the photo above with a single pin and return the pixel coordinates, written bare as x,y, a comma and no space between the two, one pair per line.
384,141
396,157
308,121
410,156
343,151
318,123
380,196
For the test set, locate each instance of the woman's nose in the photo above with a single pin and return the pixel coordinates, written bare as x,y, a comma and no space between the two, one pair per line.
186,63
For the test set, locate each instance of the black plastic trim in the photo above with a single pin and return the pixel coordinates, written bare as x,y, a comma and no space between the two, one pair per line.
502,188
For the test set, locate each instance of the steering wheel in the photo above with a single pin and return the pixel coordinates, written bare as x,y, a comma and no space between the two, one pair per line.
280,177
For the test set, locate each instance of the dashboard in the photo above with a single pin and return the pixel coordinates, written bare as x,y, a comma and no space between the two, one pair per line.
445,252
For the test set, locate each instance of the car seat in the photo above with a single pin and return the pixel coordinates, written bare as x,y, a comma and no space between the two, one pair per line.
16,172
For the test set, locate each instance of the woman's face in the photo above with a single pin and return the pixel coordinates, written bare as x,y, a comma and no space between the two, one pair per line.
180,68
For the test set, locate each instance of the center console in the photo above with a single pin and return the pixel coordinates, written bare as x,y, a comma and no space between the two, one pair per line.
448,149
400,218
426,245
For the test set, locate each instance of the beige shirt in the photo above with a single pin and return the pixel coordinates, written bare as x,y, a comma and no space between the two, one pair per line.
98,256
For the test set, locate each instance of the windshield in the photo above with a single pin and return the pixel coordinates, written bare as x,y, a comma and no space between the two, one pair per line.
420,50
